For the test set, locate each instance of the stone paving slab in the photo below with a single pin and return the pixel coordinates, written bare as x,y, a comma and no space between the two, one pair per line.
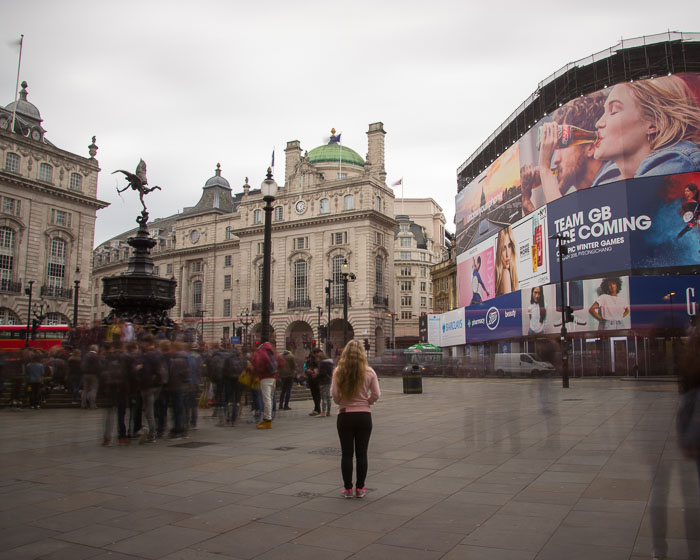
477,469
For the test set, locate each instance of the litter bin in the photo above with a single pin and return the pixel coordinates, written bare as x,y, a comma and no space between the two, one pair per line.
412,380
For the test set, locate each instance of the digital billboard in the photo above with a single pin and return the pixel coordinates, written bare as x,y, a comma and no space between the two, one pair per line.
634,129
664,302
649,224
499,318
516,257
600,304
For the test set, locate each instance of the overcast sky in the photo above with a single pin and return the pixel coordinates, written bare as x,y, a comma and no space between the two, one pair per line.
185,85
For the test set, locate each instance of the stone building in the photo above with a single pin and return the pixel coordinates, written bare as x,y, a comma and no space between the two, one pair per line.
333,213
47,218
419,243
444,278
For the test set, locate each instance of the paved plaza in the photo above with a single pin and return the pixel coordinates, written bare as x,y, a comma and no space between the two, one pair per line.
470,469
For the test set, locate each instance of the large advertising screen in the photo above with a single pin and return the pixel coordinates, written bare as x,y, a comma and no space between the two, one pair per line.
497,319
642,225
600,304
664,302
634,129
516,257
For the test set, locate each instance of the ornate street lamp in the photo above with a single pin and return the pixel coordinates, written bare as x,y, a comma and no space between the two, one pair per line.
328,324
77,277
351,277
269,190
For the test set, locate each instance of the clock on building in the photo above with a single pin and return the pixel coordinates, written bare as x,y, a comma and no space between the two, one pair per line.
36,135
300,207
194,236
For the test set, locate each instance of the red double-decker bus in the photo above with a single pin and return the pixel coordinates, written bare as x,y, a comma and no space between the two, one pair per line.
14,337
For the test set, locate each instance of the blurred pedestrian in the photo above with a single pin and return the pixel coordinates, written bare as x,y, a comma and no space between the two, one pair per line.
34,372
266,363
286,375
91,367
325,373
311,373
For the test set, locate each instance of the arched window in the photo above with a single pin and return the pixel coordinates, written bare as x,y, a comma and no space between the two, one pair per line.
8,317
57,266
324,206
337,265
45,172
379,275
348,202
76,182
12,162
229,232
301,291
197,296
56,319
378,204
257,216
7,257
279,213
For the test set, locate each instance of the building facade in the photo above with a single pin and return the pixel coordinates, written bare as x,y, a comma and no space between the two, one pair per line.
333,213
47,220
577,220
419,243
444,278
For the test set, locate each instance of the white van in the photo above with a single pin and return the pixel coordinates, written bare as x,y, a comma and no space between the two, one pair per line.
521,364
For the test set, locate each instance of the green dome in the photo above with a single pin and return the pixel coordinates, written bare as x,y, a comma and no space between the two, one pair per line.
334,152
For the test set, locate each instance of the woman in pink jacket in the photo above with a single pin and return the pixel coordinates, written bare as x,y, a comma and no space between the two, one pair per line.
354,388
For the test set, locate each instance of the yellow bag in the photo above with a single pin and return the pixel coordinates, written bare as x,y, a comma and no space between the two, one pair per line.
245,378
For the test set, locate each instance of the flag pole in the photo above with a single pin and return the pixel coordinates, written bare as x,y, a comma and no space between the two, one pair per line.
19,64
402,197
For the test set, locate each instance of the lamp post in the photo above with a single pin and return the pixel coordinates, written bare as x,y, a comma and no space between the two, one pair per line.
669,296
246,325
29,291
328,324
393,330
269,190
563,251
201,314
351,277
319,309
77,276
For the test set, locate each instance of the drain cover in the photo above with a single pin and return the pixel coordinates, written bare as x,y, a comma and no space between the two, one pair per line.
327,451
193,444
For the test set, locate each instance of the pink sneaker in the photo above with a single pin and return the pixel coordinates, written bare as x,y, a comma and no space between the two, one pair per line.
347,493
360,492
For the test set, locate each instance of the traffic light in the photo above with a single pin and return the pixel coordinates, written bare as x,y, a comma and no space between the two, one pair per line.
366,345
569,314
239,332
313,343
322,331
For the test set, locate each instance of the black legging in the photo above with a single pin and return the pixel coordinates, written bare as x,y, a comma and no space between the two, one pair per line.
354,429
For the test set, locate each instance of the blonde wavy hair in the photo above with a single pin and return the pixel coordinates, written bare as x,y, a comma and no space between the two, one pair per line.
351,370
500,268
669,103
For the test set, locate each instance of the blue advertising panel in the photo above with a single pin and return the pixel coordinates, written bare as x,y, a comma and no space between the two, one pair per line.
662,302
498,318
672,203
598,225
